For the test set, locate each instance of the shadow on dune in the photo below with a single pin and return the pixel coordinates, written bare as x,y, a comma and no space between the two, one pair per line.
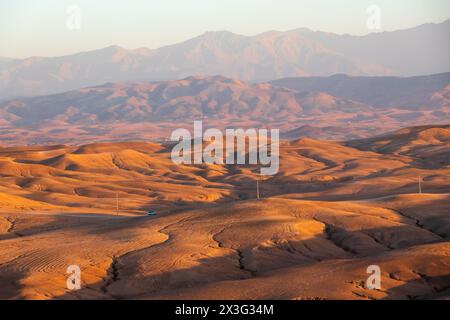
424,288
11,287
129,276
189,283
72,221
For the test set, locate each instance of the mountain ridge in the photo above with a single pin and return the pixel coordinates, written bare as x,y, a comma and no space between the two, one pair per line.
263,57
152,110
410,92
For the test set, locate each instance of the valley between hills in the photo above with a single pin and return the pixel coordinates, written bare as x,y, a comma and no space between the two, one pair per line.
333,209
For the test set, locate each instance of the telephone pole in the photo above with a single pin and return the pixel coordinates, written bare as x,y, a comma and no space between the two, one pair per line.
257,188
420,184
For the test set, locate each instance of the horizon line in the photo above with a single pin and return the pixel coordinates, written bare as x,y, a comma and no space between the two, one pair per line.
227,31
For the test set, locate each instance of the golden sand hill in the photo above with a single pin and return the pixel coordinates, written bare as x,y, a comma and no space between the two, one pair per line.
404,140
427,143
332,210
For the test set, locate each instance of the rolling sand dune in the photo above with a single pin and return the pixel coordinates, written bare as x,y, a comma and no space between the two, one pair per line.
332,210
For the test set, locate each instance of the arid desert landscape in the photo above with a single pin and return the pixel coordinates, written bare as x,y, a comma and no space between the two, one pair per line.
333,209
186,152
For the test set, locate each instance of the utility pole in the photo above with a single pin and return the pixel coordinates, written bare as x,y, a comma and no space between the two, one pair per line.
420,184
257,188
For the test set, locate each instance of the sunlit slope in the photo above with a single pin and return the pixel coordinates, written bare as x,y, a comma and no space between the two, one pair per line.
142,175
255,249
332,210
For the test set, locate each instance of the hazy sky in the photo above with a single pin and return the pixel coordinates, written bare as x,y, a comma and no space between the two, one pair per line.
38,27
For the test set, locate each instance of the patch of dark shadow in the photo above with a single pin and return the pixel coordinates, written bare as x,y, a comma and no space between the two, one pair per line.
330,233
349,165
437,223
378,174
242,196
72,167
239,253
242,264
308,248
349,178
349,242
363,295
312,155
424,288
438,283
11,232
400,237
375,237
112,276
395,276
169,282
408,217
58,222
167,147
12,224
294,248
12,284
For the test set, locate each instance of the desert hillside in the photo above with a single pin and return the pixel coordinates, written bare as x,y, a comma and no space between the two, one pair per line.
333,209
143,111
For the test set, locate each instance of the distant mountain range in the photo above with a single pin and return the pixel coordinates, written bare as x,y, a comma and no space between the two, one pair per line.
149,110
298,53
187,99
383,92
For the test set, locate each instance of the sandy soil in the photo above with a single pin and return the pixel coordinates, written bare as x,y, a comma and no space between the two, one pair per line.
333,210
